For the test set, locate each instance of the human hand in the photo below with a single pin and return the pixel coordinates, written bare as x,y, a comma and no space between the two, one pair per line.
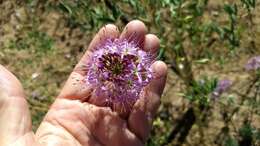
75,118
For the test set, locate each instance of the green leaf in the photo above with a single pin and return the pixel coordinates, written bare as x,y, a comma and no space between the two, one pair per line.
66,7
246,131
231,142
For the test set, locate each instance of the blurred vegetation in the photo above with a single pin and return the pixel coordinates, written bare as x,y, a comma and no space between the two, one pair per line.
42,41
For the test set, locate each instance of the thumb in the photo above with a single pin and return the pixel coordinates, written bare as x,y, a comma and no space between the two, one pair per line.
15,120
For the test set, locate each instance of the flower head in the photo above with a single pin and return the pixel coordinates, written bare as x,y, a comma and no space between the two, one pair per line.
118,71
222,86
253,63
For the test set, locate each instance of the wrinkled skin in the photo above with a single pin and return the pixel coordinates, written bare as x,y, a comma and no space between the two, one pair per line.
75,118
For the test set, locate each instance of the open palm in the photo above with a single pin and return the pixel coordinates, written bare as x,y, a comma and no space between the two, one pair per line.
76,118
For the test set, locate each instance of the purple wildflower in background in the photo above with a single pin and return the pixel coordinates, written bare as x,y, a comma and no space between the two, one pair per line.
118,71
253,63
222,86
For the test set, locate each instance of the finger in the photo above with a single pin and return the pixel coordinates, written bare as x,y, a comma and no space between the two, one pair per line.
75,87
135,31
156,86
140,118
10,84
15,119
109,31
151,44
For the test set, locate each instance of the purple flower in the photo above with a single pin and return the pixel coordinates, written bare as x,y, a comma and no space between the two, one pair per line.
253,63
118,71
222,86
